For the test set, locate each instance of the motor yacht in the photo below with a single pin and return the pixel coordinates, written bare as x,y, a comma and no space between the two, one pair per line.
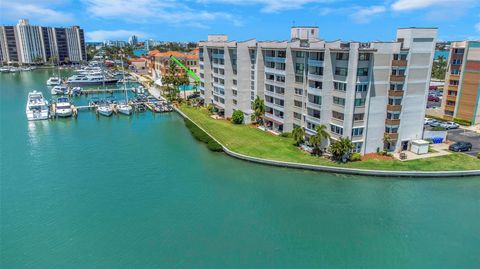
63,107
53,81
82,79
37,106
59,90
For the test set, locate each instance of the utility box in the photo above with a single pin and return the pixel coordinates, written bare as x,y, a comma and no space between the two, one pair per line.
419,146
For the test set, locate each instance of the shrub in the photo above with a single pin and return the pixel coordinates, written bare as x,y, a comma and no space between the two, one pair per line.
438,128
237,117
210,108
202,136
355,157
286,134
462,121
478,155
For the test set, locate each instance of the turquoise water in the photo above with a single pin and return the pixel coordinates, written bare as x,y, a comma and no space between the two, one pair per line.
140,192
140,52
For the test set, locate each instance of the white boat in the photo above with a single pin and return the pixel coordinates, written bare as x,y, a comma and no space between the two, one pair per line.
76,91
59,90
37,106
53,81
88,79
105,110
63,107
125,108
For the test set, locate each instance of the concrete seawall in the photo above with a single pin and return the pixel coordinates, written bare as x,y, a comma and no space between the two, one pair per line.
339,170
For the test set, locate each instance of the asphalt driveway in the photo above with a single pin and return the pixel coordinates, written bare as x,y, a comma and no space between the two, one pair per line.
467,136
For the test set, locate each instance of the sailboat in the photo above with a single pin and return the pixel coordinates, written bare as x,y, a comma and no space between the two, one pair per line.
124,107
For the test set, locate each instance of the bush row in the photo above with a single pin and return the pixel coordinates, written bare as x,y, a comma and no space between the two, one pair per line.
462,121
202,136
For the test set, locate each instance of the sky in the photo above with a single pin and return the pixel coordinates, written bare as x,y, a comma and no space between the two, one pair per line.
193,20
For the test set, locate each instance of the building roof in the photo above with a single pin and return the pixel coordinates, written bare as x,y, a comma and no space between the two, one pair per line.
137,60
176,54
153,52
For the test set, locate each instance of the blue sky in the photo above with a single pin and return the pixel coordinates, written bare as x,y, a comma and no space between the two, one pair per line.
193,20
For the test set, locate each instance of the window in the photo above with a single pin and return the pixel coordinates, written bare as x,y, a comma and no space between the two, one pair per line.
453,82
297,116
299,68
395,101
362,72
234,102
458,51
358,116
315,84
357,131
342,56
339,101
270,76
340,86
398,72
338,115
363,56
281,54
311,126
297,103
360,102
316,71
279,90
314,99
313,113
279,78
392,129
361,88
234,82
393,115
357,146
234,92
339,71
270,64
299,79
397,56
298,91
455,72
299,54
336,129
396,87
457,61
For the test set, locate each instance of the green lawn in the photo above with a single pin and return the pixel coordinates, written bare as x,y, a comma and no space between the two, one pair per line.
254,142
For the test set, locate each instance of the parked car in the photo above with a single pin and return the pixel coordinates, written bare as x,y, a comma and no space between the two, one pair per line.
427,121
432,98
449,125
435,123
460,146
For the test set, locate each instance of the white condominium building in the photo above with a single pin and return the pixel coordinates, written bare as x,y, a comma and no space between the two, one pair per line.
28,44
358,90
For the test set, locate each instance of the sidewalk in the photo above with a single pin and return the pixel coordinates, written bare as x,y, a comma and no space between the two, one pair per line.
440,150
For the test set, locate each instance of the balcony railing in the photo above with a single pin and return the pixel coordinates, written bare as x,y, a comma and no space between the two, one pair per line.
397,77
395,93
450,108
275,59
451,98
392,121
399,62
394,107
314,62
393,136
217,55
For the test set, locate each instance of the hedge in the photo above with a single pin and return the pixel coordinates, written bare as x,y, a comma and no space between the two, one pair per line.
462,121
202,136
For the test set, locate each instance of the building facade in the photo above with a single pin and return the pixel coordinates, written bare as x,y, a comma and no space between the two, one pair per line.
461,95
358,90
160,62
29,44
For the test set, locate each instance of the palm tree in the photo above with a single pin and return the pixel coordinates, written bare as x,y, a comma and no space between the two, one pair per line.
298,134
341,149
258,110
171,82
316,140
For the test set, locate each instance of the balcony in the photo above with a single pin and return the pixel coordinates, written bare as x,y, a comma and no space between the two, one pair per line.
392,121
395,93
394,107
315,77
275,59
452,87
273,118
450,108
399,62
397,77
451,98
217,55
313,62
274,71
393,136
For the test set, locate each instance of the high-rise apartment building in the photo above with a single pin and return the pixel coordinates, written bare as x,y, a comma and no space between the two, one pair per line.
29,44
358,90
461,95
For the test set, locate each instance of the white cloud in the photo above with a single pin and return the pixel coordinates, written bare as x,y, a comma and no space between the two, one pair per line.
41,11
269,6
364,15
101,35
171,12
406,5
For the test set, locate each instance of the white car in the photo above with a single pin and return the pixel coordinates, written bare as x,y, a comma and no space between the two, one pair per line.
449,125
427,121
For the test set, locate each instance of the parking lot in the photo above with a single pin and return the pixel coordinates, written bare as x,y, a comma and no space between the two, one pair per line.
467,136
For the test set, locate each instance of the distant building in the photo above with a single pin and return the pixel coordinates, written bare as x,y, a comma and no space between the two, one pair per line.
160,62
362,91
138,63
115,43
29,44
133,40
461,94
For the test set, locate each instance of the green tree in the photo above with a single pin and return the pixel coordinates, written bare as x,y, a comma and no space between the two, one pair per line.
185,82
172,82
386,141
258,110
439,68
237,117
66,60
316,139
298,134
341,149
53,60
